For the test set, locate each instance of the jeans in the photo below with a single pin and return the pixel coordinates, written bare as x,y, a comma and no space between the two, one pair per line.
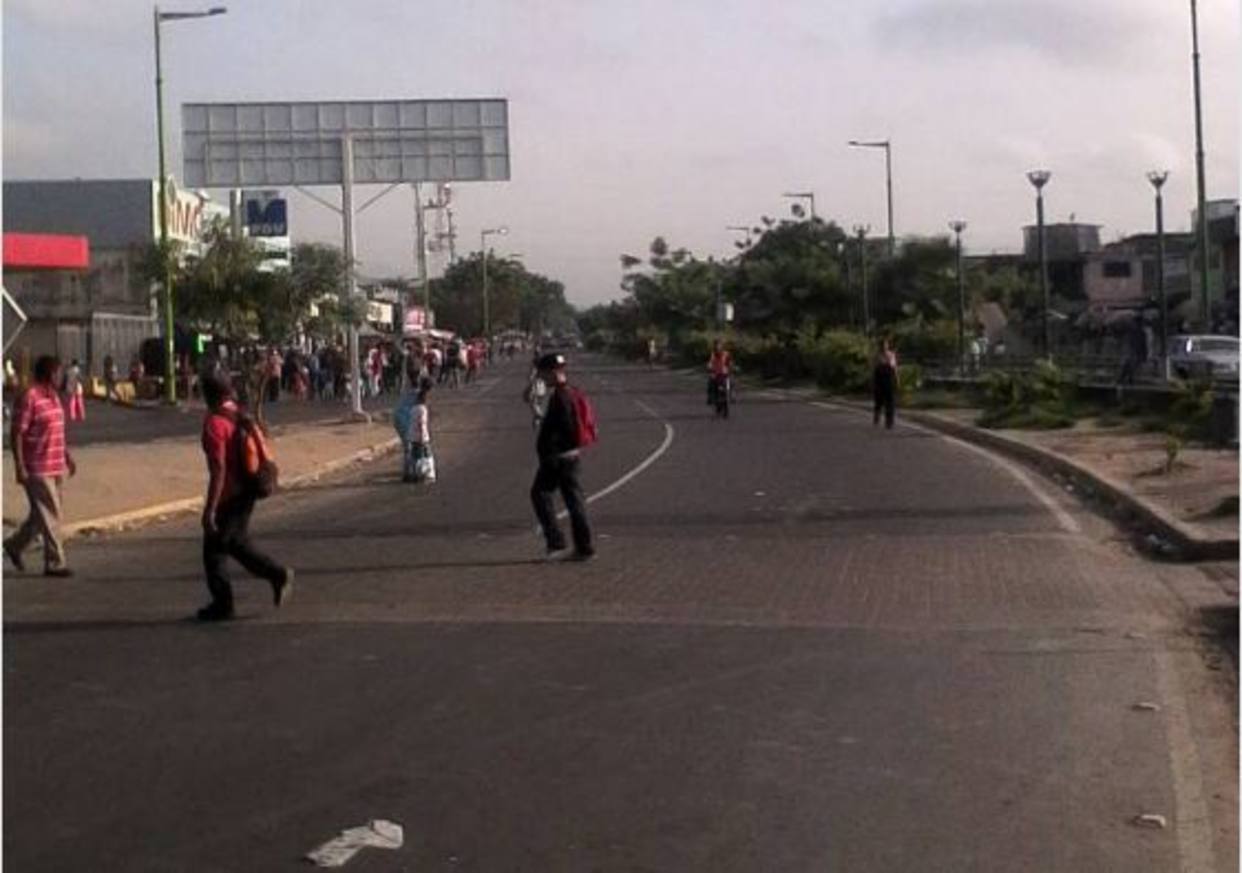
886,400
232,540
561,474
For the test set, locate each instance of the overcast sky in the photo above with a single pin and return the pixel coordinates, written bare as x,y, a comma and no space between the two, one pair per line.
674,117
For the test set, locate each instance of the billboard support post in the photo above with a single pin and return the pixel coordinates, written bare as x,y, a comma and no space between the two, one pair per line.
347,222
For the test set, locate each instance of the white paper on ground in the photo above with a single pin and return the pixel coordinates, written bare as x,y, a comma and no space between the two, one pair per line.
378,833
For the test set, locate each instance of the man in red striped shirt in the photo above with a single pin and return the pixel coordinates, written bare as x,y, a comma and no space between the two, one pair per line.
41,460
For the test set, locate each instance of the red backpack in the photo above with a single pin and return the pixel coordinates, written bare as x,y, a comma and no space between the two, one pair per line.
584,415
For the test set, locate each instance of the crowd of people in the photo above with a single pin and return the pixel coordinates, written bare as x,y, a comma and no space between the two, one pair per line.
240,466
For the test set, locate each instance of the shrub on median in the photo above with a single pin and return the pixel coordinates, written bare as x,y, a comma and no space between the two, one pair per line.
1039,399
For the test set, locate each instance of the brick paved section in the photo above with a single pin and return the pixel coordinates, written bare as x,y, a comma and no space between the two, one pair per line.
805,645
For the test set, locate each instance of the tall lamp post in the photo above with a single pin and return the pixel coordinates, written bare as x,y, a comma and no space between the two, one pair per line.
1157,179
1039,178
1202,229
170,365
802,195
957,227
888,177
861,231
487,315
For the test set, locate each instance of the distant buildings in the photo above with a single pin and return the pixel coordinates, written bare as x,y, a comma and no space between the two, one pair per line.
113,306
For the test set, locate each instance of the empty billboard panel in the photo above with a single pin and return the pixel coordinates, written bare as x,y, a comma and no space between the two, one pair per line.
230,145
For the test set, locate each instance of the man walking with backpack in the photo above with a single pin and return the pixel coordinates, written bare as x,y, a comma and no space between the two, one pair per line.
568,426
229,436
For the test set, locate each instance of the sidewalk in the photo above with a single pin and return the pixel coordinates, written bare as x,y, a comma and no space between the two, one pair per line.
120,483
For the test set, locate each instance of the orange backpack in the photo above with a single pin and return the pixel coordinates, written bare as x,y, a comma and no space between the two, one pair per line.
259,473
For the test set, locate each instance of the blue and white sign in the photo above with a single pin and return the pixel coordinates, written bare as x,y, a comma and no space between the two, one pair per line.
267,215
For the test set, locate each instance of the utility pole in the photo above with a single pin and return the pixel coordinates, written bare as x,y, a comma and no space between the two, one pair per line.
957,227
861,231
1039,178
1202,229
1157,179
420,248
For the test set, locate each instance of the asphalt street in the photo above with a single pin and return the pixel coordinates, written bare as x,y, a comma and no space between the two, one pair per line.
805,645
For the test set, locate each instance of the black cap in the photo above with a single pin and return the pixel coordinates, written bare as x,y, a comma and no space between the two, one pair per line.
552,361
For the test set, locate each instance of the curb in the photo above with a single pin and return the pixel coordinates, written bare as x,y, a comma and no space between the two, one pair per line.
1189,546
122,520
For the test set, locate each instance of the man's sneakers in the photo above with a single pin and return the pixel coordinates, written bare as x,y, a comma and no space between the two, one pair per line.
215,612
15,556
568,554
58,572
282,589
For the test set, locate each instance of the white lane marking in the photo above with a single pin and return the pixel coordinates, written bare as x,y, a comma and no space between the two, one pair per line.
1191,818
337,851
669,433
1066,521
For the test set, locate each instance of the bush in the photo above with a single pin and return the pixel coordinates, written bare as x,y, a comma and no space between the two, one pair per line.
1036,400
909,380
839,360
925,341
1191,411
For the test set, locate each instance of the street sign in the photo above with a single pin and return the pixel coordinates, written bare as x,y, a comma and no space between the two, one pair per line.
232,144
267,214
415,320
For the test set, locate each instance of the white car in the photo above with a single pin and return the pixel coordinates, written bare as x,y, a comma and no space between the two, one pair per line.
1203,355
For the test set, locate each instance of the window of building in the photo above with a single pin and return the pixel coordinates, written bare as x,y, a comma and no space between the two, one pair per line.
1116,269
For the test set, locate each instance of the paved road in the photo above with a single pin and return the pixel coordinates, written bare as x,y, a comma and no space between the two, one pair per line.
805,645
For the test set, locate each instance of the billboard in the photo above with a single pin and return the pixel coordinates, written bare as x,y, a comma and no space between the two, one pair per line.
302,143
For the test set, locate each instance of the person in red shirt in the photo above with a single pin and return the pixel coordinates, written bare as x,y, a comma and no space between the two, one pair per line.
41,460
228,506
720,366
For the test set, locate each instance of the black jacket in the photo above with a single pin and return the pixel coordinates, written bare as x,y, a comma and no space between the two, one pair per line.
559,432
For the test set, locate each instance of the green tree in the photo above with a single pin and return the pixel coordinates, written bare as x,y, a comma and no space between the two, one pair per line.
792,275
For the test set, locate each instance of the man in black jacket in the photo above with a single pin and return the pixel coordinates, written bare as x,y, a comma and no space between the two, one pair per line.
557,447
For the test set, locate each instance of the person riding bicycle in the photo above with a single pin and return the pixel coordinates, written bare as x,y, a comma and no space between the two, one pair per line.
720,366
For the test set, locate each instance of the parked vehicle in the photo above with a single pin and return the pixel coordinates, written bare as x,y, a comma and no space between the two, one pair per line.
1203,356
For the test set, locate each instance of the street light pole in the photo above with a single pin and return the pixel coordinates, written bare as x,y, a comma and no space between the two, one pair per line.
170,365
802,195
1039,178
1157,179
487,317
957,227
887,145
861,230
1202,229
